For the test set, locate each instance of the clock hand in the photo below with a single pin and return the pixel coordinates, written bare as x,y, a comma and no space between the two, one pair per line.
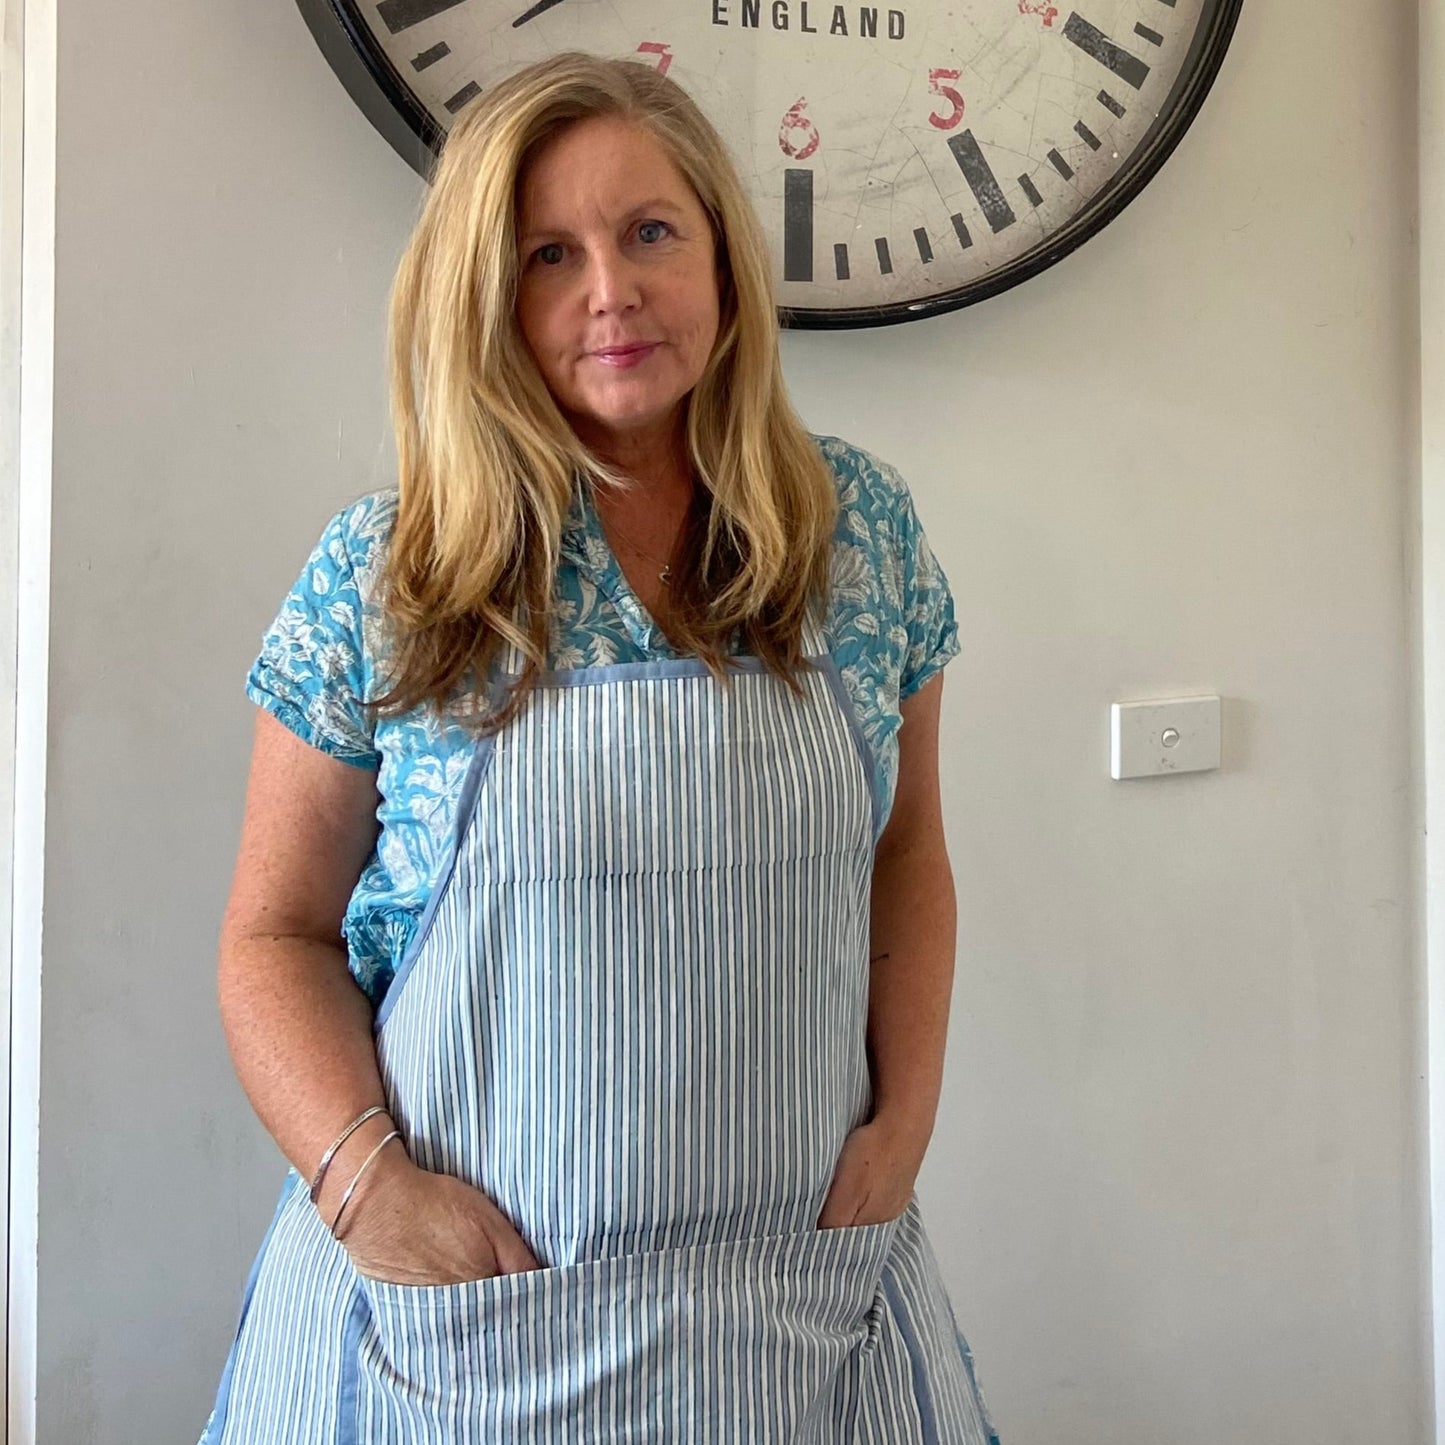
534,12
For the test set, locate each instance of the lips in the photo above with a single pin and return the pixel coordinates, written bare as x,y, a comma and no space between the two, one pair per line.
622,356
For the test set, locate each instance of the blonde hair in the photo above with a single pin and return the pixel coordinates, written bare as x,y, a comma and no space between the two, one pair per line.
487,462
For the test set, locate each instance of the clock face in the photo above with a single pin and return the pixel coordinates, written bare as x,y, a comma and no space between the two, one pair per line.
906,157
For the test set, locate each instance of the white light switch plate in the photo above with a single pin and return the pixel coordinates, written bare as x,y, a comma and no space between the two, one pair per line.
1169,735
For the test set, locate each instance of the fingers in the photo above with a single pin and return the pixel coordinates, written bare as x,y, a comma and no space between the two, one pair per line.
842,1205
509,1251
447,1232
513,1256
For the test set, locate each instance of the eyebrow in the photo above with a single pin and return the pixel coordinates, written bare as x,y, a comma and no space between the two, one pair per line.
661,202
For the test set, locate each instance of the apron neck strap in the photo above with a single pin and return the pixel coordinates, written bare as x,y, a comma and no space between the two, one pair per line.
814,643
512,660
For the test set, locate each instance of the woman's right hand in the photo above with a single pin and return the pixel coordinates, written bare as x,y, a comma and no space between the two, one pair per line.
406,1225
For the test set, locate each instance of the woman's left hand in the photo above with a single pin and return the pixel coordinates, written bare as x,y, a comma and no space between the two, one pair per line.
873,1179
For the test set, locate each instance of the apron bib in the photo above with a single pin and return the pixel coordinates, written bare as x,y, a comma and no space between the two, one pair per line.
634,1015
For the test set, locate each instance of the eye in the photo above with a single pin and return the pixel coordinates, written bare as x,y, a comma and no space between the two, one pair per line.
549,255
650,232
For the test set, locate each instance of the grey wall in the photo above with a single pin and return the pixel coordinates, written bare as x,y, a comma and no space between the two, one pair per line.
226,231
1177,1187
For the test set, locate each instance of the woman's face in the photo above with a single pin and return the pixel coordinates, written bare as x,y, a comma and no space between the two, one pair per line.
617,295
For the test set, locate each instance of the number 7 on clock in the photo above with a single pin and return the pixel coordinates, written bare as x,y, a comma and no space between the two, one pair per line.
661,51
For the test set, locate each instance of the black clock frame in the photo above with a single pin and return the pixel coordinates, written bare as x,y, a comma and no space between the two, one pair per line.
388,103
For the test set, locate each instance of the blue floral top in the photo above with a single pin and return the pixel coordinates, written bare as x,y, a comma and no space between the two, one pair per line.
890,627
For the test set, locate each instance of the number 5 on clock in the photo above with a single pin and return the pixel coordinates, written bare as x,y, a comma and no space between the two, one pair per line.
936,84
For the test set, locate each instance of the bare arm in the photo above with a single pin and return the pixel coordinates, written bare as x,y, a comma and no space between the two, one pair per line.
300,1031
298,1027
913,935
912,940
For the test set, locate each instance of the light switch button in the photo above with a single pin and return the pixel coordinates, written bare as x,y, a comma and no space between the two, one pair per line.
1169,735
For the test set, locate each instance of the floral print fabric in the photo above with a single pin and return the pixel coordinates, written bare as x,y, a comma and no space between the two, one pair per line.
890,628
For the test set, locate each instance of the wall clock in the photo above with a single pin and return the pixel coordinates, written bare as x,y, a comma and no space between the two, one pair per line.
907,157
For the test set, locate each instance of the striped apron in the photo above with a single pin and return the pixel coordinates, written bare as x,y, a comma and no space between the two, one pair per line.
634,1015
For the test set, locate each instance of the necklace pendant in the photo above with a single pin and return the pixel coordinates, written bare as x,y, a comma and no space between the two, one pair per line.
666,574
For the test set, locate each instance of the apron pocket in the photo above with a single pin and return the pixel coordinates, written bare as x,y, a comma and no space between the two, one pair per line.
746,1340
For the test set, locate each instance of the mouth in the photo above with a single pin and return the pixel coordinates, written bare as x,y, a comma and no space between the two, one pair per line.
629,355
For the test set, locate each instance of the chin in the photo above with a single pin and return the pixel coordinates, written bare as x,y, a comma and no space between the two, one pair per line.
621,416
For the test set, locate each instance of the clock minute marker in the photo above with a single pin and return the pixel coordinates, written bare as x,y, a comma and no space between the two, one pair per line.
885,261
1087,136
1061,165
1093,42
468,92
540,8
439,51
961,231
982,181
1111,105
840,261
920,239
399,15
1027,186
797,224
1152,36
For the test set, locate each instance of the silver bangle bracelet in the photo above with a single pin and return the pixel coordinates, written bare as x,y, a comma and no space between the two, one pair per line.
356,1179
337,1142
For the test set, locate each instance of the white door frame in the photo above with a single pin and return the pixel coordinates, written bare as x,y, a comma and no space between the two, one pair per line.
27,327
1430,713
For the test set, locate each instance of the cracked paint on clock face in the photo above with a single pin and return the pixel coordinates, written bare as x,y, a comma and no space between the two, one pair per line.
905,157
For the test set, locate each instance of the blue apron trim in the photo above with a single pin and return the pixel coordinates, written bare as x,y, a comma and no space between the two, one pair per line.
217,1425
966,1351
348,1424
828,666
664,667
466,809
917,1361
835,681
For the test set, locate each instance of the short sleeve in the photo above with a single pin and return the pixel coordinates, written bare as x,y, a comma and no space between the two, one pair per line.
312,674
927,600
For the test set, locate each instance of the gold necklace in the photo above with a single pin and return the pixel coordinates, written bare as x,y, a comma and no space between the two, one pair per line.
665,576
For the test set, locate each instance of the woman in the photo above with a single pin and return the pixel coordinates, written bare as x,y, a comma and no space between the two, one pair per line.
605,1118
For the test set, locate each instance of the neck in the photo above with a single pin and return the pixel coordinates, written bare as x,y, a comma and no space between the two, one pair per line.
656,458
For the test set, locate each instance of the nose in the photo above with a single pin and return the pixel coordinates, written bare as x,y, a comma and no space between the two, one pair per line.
613,283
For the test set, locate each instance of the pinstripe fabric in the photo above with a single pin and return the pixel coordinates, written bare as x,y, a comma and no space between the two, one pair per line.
635,1018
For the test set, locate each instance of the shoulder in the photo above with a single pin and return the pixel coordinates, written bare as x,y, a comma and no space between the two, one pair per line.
877,529
889,592
356,538
864,481
328,626
875,507
342,578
